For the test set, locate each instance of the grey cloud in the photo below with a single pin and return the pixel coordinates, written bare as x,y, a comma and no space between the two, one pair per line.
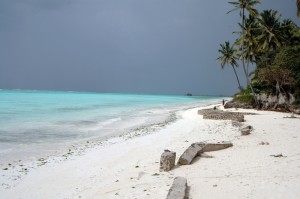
46,4
135,46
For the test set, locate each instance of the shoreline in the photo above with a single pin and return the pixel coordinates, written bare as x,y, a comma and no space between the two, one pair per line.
60,138
152,123
129,168
15,170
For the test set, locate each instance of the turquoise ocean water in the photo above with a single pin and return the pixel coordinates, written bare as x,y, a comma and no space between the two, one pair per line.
39,121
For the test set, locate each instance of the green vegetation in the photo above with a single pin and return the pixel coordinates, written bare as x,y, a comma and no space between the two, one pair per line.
269,43
246,97
228,57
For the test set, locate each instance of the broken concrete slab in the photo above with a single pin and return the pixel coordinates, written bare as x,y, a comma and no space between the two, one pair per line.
236,123
240,118
215,114
167,160
198,148
247,127
178,189
190,153
246,130
215,146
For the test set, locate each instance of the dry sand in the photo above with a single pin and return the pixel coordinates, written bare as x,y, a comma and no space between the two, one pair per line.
129,168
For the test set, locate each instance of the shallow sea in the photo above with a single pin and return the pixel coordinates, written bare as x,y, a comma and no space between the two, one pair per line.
35,122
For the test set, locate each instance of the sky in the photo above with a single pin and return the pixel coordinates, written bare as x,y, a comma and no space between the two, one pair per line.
122,46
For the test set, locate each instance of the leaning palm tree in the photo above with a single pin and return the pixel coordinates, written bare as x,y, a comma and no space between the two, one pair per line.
245,5
228,57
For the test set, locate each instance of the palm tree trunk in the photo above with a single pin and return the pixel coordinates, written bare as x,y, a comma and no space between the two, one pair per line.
237,78
248,81
243,59
242,47
247,68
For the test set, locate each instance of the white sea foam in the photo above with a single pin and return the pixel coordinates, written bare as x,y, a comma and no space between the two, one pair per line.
109,121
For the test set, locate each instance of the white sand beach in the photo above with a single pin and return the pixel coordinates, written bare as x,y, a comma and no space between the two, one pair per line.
129,167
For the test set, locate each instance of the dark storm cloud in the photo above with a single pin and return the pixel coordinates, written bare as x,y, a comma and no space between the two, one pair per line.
154,46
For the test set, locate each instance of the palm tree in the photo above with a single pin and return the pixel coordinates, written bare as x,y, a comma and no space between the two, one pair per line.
289,31
249,39
228,57
243,5
270,37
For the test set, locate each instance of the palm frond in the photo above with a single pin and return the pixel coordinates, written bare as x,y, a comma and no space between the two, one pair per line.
234,9
234,3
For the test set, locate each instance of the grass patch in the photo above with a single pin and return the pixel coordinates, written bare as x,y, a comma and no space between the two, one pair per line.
245,98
